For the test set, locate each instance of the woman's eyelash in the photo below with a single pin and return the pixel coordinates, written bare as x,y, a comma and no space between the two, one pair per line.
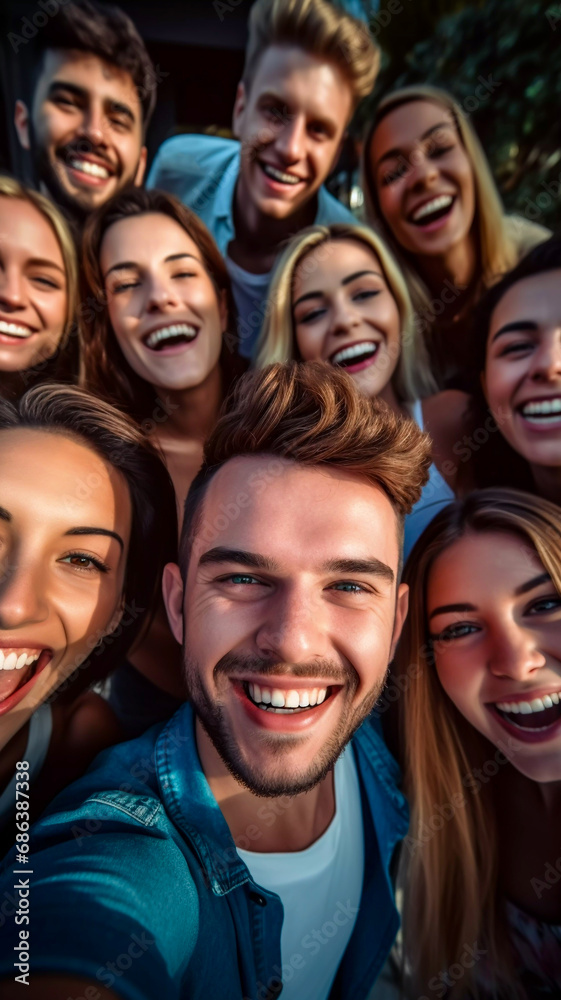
94,560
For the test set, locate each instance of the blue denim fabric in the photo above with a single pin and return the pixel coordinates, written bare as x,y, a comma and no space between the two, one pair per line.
137,883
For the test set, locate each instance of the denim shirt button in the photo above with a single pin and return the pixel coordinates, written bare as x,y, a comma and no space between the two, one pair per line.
257,898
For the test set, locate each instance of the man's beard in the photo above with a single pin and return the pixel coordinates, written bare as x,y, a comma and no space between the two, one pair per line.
212,718
46,175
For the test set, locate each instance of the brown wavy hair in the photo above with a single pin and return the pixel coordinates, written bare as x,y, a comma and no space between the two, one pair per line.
104,369
313,414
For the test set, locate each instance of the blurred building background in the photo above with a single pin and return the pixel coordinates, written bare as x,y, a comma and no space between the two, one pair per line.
515,45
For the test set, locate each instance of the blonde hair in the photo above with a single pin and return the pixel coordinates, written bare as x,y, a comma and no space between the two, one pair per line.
412,378
10,188
497,250
449,862
319,28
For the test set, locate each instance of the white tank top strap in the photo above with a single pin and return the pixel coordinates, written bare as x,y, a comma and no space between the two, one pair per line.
38,740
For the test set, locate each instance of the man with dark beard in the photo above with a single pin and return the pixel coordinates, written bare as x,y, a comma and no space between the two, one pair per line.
244,847
93,90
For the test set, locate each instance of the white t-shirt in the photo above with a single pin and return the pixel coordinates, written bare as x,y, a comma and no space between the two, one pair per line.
320,889
250,295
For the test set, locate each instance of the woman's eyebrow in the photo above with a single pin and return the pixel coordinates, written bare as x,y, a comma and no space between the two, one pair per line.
96,531
392,153
536,581
445,609
518,326
44,262
5,514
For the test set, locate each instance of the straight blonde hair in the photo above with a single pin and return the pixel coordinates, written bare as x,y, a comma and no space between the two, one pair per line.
497,251
412,378
11,188
449,869
317,27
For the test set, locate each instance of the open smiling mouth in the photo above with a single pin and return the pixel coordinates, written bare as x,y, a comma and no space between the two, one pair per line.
355,355
542,412
291,702
15,331
279,175
434,210
541,715
19,669
174,335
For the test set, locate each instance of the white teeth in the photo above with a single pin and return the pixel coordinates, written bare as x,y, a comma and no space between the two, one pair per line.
168,332
436,205
527,707
13,330
279,175
93,169
545,406
15,661
354,351
288,700
292,700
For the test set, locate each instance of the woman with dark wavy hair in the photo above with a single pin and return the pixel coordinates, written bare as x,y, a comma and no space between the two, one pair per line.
87,523
160,321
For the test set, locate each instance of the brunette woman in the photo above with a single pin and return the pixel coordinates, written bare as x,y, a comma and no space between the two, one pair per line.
38,291
159,337
87,522
430,191
515,414
338,296
160,344
480,664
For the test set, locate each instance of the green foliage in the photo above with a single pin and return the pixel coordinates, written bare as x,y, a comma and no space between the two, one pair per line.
516,44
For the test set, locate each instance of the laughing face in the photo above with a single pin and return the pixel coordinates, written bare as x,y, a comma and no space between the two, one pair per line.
522,379
495,620
85,129
344,313
291,614
33,293
423,178
65,519
164,308
290,124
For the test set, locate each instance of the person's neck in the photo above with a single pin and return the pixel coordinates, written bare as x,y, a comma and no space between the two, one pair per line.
457,266
258,237
548,481
192,413
281,824
389,396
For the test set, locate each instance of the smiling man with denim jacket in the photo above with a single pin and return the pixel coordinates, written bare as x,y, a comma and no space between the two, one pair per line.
240,849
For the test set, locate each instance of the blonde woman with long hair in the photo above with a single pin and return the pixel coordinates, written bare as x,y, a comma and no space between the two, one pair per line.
337,296
430,192
38,291
480,734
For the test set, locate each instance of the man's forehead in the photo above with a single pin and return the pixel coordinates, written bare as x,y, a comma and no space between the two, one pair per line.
87,67
262,500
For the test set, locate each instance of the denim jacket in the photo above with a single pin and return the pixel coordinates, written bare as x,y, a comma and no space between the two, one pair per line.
135,881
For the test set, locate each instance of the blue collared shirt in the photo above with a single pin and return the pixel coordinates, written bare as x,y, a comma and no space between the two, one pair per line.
136,883
202,171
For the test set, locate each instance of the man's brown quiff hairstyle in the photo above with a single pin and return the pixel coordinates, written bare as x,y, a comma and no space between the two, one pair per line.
313,414
317,27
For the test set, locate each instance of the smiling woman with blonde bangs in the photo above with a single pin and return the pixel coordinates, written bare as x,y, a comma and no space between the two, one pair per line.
430,191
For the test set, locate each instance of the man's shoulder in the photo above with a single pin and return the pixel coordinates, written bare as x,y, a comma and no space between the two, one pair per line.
185,160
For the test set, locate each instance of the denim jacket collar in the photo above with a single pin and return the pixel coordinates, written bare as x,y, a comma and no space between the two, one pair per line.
191,805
